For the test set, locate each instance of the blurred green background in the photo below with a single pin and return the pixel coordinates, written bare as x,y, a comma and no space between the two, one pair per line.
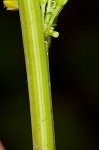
74,69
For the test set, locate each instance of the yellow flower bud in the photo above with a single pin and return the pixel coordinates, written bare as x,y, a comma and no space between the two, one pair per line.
11,4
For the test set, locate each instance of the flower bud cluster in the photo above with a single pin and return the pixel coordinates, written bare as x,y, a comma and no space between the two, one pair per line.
50,11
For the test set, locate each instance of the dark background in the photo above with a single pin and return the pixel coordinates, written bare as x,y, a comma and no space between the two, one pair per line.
74,69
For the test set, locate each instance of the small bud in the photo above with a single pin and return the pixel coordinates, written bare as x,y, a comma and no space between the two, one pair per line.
52,33
53,4
55,34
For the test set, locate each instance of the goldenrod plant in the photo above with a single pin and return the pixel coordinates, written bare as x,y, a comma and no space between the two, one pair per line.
38,20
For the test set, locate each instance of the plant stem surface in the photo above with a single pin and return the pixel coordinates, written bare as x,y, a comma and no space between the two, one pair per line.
36,58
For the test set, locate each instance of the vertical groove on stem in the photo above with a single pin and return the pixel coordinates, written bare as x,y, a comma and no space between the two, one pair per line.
38,75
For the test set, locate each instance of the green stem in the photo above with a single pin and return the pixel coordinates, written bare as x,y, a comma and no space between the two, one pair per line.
36,59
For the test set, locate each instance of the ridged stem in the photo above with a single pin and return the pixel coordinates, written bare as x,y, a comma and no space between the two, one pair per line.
36,58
